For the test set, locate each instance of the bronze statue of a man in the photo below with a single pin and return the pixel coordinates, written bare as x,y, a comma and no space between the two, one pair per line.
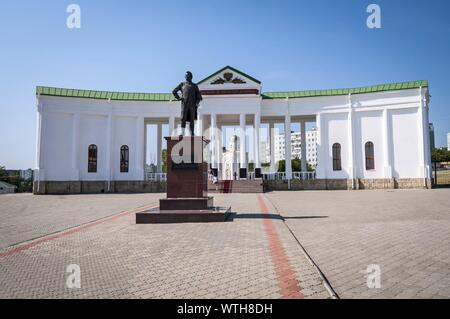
190,101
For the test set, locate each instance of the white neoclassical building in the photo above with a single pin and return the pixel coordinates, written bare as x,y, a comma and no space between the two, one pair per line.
367,137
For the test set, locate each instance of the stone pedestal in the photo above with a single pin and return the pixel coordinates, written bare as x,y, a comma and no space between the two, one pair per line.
187,186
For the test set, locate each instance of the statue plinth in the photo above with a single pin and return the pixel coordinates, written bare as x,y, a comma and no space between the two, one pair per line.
187,186
187,172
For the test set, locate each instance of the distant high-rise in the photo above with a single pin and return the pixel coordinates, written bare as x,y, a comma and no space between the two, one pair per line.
311,146
264,152
448,141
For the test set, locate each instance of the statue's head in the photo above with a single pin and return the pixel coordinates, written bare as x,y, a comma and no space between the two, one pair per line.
188,76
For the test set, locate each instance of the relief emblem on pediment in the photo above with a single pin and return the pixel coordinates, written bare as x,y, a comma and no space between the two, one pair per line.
228,77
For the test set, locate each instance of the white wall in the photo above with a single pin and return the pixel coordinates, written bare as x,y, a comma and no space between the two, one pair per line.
405,144
124,133
401,154
368,128
405,155
56,145
93,130
335,130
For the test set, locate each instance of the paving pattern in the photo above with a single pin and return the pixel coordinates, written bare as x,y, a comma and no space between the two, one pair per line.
119,259
405,232
25,216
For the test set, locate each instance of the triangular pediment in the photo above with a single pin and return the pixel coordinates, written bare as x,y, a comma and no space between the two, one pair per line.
231,80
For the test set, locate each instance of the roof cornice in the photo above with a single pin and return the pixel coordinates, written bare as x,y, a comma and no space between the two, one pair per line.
163,97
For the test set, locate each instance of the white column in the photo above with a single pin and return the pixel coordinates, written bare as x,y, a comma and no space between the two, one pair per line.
420,133
322,162
38,138
386,146
145,155
39,172
159,148
242,144
140,145
272,146
423,135
287,145
303,146
172,125
109,152
219,143
212,133
424,139
426,119
351,146
199,127
256,140
75,146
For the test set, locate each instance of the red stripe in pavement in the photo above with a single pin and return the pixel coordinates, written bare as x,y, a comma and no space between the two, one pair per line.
287,280
71,231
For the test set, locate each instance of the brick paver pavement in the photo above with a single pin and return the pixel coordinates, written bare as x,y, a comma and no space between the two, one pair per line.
119,259
25,216
405,232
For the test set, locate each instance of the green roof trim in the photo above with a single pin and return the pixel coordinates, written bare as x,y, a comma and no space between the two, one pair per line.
232,69
163,97
103,95
359,90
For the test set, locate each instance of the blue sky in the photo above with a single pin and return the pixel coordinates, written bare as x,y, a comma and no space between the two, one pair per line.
148,45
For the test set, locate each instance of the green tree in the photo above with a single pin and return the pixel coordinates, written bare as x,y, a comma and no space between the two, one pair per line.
164,160
440,155
23,186
296,165
265,164
3,172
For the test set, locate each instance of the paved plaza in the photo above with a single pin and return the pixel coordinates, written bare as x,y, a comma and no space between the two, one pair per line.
405,232
252,256
272,247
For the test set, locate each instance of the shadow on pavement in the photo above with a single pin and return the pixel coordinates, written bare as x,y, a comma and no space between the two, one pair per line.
268,216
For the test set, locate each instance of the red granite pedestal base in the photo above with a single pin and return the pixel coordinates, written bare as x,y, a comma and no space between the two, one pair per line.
201,203
187,187
157,216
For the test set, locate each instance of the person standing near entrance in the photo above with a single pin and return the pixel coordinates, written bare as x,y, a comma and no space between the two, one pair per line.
190,101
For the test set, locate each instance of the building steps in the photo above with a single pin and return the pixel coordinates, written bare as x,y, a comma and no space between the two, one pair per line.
239,186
